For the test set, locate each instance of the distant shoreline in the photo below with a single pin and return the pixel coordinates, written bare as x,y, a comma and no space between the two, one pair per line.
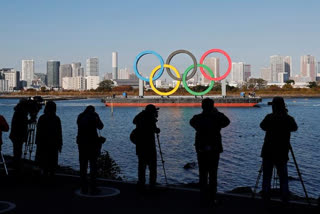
77,97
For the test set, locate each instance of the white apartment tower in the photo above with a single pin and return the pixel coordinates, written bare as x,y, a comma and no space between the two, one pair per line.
93,66
308,67
114,65
237,72
92,82
27,72
123,74
11,76
74,83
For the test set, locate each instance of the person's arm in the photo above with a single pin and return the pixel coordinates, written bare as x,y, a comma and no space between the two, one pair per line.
60,142
193,122
292,125
264,125
99,123
224,120
155,128
3,124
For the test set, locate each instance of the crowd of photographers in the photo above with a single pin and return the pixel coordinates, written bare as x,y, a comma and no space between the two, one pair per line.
208,144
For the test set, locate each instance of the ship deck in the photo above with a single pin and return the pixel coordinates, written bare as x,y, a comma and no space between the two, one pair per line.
179,101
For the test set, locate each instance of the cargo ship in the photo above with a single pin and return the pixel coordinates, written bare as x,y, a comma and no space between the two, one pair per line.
179,101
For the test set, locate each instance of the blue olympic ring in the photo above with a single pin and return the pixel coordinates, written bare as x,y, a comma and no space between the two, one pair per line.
135,65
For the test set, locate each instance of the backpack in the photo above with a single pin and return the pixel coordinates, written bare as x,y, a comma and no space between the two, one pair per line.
135,136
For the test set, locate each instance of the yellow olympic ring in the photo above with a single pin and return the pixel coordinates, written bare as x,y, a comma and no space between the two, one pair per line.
156,90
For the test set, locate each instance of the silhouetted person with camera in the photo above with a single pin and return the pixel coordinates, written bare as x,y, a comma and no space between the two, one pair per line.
146,151
208,144
278,126
48,139
89,147
19,131
4,127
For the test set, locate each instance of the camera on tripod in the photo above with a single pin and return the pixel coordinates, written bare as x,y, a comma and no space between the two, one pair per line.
33,106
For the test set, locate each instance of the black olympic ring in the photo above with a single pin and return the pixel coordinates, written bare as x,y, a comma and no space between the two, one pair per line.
194,64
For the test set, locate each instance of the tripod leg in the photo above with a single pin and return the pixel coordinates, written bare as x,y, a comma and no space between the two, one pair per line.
4,163
300,176
164,170
257,182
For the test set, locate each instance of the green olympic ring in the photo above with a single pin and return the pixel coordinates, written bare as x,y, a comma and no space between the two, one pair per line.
186,85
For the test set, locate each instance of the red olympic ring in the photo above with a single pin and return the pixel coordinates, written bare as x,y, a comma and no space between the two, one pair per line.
213,51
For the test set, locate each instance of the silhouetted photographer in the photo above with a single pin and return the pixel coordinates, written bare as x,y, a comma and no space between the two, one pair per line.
146,129
19,131
89,147
208,145
278,126
48,139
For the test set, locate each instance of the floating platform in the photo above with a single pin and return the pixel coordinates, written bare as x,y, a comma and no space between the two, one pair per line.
179,101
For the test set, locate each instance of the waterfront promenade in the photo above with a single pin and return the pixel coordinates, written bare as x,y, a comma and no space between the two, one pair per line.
34,195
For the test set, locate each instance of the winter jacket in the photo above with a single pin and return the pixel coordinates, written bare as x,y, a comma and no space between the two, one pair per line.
146,127
208,126
278,129
48,140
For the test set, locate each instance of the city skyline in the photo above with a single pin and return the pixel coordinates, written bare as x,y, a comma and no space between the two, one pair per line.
253,37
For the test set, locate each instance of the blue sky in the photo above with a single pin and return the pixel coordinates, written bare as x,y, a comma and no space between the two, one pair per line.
68,31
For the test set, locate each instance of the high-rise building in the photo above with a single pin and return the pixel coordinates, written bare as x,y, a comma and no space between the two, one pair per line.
4,85
266,74
280,64
76,69
288,65
93,67
308,67
27,72
114,65
12,76
247,72
53,73
318,70
277,66
237,72
214,64
65,71
123,74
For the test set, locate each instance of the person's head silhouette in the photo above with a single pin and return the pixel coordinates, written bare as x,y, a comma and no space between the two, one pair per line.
90,109
50,108
151,108
207,104
278,105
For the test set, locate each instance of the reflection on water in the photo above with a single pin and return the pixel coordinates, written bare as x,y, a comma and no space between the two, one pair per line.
242,141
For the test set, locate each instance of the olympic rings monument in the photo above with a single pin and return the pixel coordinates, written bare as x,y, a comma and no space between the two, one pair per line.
195,98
